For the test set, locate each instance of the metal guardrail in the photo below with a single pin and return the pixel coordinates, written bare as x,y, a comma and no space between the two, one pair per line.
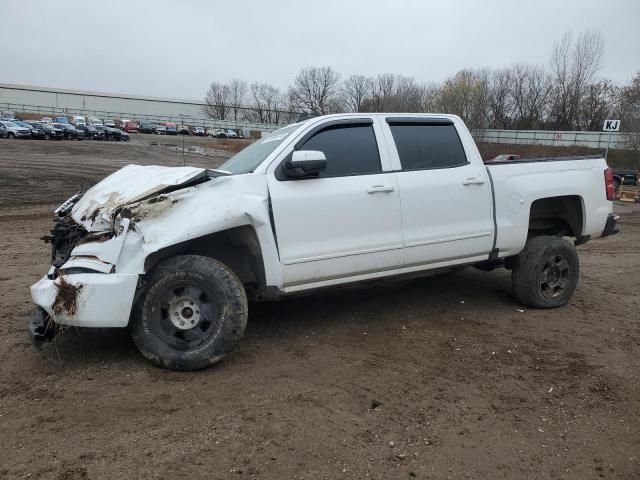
179,119
549,137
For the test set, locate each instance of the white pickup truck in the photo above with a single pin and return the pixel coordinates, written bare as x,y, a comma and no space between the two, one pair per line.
175,253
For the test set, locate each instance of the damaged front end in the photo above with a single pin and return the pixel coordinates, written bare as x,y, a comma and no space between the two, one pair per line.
101,240
97,251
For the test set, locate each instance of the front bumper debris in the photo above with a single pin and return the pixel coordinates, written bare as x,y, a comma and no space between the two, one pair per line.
42,328
610,226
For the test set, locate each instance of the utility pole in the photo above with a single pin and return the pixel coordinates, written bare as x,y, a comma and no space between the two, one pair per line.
182,125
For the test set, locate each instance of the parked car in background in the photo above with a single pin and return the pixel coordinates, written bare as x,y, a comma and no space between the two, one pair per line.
91,132
95,121
198,131
217,132
503,157
35,129
184,130
112,133
9,129
70,132
161,130
172,129
130,127
124,136
46,119
146,127
8,114
110,124
231,134
78,120
624,177
51,132
33,132
64,120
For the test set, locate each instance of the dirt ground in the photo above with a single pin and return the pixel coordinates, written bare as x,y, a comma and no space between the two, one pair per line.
438,378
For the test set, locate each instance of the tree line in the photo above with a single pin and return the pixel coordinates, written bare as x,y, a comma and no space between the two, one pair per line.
566,94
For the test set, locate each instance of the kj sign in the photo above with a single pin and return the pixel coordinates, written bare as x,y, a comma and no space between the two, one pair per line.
611,125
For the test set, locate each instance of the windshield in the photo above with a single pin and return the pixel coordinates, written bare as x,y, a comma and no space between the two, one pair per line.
9,124
247,160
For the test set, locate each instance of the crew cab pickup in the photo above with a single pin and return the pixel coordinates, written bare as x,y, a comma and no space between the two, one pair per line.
175,253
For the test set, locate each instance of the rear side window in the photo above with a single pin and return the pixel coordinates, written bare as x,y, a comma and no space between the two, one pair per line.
425,146
349,149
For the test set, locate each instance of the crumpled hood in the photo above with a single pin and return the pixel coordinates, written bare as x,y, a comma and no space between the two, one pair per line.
95,210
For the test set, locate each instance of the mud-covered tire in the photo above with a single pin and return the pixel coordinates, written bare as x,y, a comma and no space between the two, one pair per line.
187,288
545,274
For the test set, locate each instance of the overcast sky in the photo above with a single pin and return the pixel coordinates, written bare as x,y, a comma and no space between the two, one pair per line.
176,48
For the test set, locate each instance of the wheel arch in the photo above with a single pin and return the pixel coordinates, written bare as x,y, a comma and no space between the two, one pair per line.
238,248
559,216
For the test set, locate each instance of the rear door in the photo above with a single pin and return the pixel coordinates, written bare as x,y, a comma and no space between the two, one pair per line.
446,199
346,221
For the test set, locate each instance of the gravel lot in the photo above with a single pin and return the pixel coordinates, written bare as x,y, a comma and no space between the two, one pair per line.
443,377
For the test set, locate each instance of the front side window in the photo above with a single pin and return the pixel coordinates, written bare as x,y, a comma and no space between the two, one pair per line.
349,149
428,145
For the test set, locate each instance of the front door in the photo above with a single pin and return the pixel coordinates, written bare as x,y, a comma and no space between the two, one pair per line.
344,222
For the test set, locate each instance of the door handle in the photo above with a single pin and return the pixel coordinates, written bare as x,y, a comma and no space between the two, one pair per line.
473,181
380,189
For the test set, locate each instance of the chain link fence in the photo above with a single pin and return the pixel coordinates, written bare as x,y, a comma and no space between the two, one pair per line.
547,137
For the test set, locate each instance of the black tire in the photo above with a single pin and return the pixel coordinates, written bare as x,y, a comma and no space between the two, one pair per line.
545,273
181,290
47,136
11,135
616,184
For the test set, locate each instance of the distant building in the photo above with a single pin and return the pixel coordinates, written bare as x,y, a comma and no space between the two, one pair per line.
95,103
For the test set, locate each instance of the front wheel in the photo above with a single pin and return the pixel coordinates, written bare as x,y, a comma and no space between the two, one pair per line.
545,273
192,314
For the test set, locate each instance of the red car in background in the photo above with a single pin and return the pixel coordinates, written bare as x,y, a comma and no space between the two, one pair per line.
130,127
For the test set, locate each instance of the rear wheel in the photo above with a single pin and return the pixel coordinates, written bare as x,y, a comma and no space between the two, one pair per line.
11,135
193,313
545,273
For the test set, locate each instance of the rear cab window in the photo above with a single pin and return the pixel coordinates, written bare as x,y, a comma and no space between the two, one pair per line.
425,144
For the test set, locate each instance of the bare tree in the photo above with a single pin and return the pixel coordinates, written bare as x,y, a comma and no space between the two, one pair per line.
267,103
466,95
530,90
500,99
629,112
407,95
596,105
382,90
237,94
355,90
315,90
574,66
217,100
429,97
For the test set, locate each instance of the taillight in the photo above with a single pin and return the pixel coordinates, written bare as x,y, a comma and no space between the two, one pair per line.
608,183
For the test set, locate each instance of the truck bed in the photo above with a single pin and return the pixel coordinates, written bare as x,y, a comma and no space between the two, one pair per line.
541,159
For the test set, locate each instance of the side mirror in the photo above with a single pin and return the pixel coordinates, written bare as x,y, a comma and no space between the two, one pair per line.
305,163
